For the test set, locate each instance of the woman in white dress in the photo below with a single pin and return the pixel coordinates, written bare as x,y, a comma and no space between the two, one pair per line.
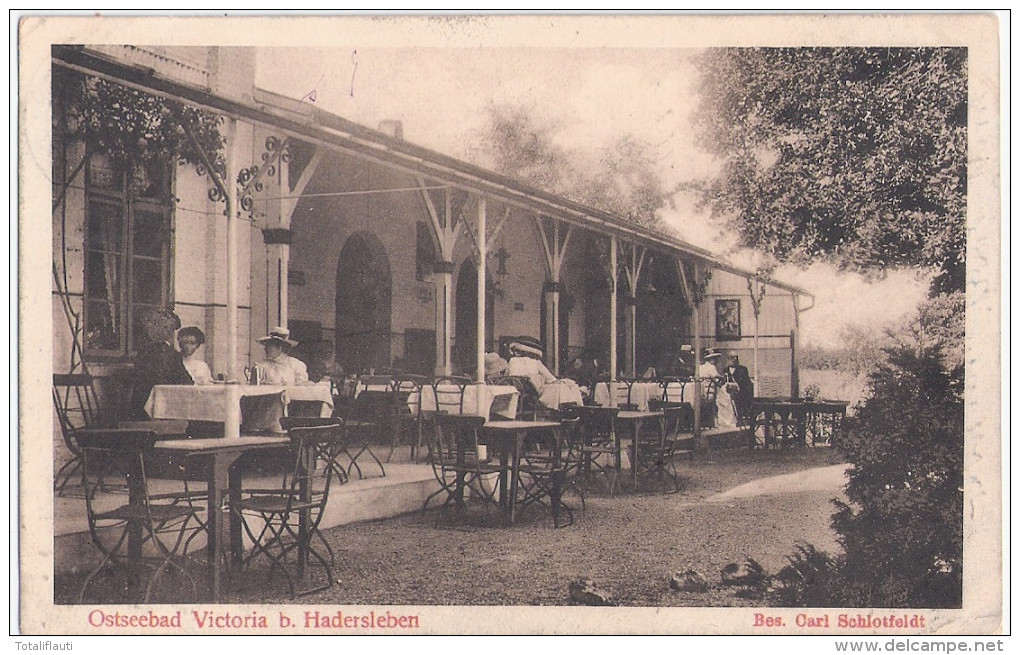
191,339
713,371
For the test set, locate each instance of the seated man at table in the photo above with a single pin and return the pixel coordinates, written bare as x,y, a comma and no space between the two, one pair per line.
279,367
584,370
322,364
157,362
684,367
190,339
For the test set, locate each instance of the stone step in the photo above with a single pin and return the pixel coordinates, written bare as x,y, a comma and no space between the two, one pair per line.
404,489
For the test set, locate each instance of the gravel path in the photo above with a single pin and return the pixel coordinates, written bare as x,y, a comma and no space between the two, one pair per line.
628,544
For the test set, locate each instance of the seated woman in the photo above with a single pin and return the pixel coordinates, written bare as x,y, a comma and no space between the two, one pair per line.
190,339
712,372
495,366
526,361
279,367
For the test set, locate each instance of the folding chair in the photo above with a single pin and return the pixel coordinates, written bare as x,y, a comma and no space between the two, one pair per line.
161,523
456,464
654,452
369,417
340,441
709,389
409,415
675,390
285,520
449,393
77,407
624,395
546,473
599,451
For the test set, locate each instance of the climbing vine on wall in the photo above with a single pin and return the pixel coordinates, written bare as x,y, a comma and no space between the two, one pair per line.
134,127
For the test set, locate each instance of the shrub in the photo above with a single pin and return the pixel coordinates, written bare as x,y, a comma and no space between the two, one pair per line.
809,580
902,531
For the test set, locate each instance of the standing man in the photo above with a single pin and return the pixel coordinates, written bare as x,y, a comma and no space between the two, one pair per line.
738,383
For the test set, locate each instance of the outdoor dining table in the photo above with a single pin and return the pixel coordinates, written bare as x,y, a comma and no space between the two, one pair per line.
639,393
479,400
507,438
559,393
216,456
222,402
790,422
636,419
824,419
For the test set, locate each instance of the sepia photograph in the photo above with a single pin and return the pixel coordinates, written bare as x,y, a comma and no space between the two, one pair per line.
497,324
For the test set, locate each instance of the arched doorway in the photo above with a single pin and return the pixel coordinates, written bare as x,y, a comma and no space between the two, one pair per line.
466,318
363,304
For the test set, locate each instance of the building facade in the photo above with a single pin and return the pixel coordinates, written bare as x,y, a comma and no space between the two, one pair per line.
362,244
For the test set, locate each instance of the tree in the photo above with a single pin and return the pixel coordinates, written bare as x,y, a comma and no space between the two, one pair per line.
857,155
519,146
620,178
625,183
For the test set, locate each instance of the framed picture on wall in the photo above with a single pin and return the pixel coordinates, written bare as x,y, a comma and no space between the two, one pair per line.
727,320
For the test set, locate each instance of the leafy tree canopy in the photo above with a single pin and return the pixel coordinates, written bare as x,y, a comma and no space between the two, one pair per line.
620,178
858,155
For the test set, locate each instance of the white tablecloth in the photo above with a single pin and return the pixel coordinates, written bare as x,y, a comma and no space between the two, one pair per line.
498,399
221,402
640,393
556,393
313,392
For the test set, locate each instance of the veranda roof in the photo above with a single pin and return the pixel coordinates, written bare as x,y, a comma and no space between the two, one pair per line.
307,122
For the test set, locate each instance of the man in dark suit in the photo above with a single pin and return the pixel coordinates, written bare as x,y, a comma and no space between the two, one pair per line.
157,362
739,385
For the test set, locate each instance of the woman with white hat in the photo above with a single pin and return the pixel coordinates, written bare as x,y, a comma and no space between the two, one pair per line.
712,371
278,367
526,361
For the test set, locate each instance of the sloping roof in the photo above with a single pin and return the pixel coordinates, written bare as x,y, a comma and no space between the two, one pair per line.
312,124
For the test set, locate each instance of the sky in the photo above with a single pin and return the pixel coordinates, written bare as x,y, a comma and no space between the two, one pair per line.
593,96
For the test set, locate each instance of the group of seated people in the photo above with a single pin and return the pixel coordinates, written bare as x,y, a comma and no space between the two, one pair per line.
734,389
524,362
732,382
158,362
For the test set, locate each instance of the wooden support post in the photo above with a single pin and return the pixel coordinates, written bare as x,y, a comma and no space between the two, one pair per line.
612,320
230,182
